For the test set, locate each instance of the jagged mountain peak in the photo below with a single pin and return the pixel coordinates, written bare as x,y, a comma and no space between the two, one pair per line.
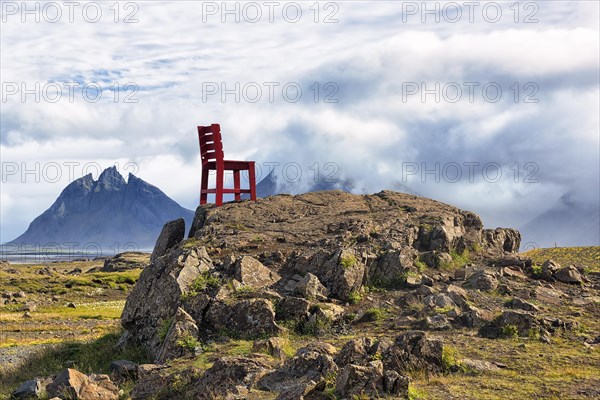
105,211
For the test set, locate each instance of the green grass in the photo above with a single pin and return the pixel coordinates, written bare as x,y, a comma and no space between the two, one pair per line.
188,342
375,314
347,261
91,356
354,297
589,256
204,281
459,260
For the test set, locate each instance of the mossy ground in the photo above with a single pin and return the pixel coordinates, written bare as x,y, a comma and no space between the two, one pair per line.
56,333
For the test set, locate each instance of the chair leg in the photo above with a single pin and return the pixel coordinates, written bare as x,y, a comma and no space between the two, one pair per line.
236,185
252,179
204,186
220,181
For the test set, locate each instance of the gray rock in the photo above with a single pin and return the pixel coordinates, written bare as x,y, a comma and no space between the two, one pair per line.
501,240
228,377
341,271
520,304
438,300
171,234
438,322
252,273
311,288
355,351
354,380
396,384
391,268
436,259
523,321
29,389
183,330
475,318
73,384
293,309
483,280
248,318
158,294
569,274
309,364
549,268
123,370
274,346
414,350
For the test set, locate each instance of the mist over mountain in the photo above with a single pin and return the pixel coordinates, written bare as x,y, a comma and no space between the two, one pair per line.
109,212
570,222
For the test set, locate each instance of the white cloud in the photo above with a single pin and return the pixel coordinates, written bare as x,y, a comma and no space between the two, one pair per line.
369,133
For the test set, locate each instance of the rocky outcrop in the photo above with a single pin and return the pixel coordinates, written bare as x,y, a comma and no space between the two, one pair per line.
180,339
309,364
157,295
172,233
248,318
414,350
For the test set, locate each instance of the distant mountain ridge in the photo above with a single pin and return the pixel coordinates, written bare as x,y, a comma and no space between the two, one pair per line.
569,222
107,212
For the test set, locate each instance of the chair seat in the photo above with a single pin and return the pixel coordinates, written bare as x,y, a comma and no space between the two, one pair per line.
231,165
226,190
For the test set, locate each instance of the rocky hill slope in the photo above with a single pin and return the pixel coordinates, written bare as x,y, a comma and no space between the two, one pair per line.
330,295
104,212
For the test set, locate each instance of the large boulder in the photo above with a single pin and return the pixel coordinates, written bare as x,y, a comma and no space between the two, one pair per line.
293,309
248,318
569,274
154,300
483,280
171,234
354,380
391,268
310,287
414,350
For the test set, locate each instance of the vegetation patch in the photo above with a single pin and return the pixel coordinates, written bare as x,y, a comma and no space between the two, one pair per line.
347,262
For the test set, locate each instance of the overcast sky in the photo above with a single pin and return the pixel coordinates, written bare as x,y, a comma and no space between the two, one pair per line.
508,94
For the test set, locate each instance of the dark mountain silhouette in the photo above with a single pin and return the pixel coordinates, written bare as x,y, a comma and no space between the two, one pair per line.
570,222
104,212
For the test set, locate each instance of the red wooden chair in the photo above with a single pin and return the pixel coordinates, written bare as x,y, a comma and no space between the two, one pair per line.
211,153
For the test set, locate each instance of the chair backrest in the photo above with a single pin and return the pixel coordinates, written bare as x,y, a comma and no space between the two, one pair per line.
211,147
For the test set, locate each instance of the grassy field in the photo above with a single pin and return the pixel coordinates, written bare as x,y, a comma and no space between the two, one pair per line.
74,311
589,256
